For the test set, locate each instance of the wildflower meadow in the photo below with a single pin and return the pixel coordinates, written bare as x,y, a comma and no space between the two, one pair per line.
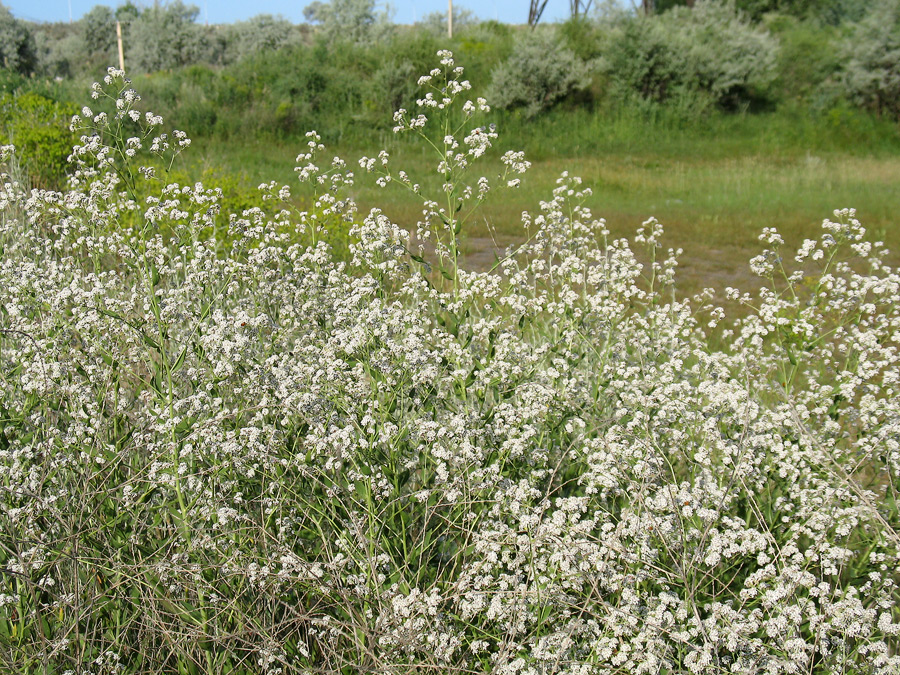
230,445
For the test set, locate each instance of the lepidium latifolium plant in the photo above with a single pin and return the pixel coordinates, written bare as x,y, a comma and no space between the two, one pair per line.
448,127
222,450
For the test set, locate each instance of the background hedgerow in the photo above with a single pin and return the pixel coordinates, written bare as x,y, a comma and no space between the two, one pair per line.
235,453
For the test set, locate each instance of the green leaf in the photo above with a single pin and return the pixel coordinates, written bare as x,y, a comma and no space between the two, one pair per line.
362,490
205,312
156,381
151,342
790,353
402,480
110,361
179,360
184,426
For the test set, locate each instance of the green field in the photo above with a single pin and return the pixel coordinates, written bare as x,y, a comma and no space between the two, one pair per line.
714,189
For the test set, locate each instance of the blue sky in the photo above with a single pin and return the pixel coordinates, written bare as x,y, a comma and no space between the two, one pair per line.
226,11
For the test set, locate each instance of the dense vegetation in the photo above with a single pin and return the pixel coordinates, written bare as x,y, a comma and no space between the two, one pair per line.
271,78
720,118
225,451
301,428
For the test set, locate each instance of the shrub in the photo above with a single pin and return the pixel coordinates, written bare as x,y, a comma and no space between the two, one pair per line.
582,36
17,47
872,58
10,81
436,22
808,59
244,456
260,33
98,31
393,86
61,52
164,37
708,53
538,73
36,125
353,21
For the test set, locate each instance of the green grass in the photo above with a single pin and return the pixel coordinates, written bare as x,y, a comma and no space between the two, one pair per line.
714,187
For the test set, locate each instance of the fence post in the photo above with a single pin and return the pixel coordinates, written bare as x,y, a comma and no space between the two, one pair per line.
121,49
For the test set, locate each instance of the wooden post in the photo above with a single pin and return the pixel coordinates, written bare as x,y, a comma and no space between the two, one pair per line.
450,19
121,49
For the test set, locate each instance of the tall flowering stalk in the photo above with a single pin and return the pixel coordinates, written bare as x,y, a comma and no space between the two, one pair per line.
448,127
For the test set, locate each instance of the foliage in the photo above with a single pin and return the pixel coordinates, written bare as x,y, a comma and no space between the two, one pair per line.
393,86
315,12
279,94
61,51
354,21
263,32
808,60
238,454
164,37
99,31
10,81
584,37
36,125
127,12
690,56
436,22
17,47
825,11
872,58
684,59
539,72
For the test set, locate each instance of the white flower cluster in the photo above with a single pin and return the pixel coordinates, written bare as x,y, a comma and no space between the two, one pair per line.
240,450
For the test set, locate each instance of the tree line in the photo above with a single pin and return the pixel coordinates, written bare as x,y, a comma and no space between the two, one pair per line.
349,61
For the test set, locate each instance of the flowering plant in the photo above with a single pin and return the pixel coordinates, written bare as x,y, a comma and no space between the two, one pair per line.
249,457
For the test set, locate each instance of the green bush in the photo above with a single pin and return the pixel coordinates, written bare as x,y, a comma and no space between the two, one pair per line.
37,126
436,22
10,81
164,37
539,72
582,36
260,33
872,55
708,54
808,58
98,36
354,21
17,48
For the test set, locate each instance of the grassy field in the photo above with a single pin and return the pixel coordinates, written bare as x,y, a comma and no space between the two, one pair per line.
714,187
